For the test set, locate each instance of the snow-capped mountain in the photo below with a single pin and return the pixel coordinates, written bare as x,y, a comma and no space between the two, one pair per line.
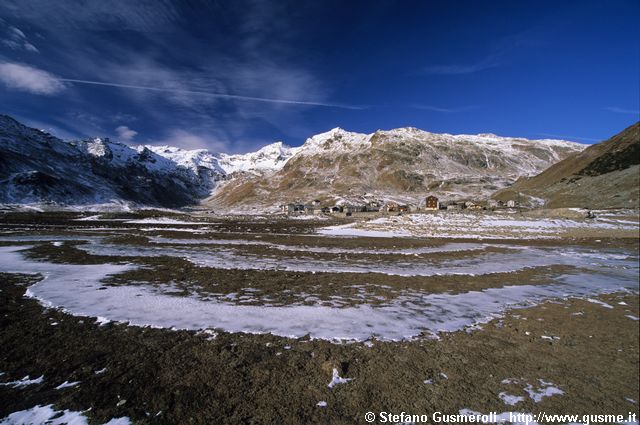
401,164
37,168
269,158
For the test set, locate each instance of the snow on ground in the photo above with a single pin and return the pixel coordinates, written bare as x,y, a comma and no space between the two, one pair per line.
309,217
199,230
509,399
352,230
336,379
44,415
602,303
48,415
26,381
162,220
67,384
545,389
463,225
448,247
74,288
541,390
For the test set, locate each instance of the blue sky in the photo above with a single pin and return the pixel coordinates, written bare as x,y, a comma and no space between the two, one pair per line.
234,75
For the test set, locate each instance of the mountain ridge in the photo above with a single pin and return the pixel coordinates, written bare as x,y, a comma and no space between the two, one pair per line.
39,167
402,164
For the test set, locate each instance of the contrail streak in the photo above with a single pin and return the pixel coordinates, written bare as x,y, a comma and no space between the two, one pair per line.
212,94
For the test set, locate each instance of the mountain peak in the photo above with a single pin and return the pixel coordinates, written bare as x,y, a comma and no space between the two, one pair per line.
335,139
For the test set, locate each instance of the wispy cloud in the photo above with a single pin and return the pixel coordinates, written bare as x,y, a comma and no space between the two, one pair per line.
213,94
125,133
444,110
566,137
234,85
462,69
622,110
23,77
27,78
14,38
122,117
497,55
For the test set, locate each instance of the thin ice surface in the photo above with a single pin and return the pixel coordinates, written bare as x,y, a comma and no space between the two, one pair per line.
75,289
478,264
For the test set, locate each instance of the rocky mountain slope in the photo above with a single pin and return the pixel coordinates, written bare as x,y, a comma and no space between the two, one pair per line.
404,164
38,168
605,175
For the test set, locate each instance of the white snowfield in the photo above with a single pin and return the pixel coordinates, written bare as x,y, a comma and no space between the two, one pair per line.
407,315
268,158
472,226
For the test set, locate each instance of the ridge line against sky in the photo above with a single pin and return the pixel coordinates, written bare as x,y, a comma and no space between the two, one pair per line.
233,76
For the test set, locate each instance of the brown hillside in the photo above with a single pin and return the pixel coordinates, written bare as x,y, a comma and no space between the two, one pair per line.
604,175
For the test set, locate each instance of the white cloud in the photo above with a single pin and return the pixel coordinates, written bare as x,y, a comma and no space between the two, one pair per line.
26,78
187,140
125,133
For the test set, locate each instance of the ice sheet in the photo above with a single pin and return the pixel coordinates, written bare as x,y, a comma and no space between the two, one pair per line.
74,288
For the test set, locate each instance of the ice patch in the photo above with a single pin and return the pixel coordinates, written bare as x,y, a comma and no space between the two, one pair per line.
516,258
74,288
